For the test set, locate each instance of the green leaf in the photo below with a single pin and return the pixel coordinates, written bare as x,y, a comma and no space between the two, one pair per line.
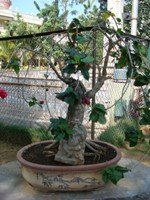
123,61
106,15
77,58
132,135
15,65
60,129
102,119
114,174
145,120
54,123
64,94
75,23
46,75
119,31
87,59
84,71
105,177
36,5
94,117
71,100
100,107
59,137
69,96
71,52
81,39
69,69
118,20
33,101
98,114
142,80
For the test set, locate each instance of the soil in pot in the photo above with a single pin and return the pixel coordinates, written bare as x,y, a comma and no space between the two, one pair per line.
35,154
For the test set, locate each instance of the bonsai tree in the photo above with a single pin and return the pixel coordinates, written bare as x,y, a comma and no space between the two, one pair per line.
76,63
72,62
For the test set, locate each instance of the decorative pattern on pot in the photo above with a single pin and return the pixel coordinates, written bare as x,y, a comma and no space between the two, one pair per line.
63,181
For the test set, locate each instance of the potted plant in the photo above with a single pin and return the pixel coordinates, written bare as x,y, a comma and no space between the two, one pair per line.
71,162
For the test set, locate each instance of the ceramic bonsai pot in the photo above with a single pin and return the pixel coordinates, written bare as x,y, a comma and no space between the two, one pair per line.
64,178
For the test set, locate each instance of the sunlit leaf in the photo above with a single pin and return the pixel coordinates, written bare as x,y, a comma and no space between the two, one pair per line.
114,174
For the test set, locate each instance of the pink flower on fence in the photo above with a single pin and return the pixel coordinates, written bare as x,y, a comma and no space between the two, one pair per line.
3,93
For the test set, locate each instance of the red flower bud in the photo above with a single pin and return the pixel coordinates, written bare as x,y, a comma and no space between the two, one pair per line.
41,102
3,93
86,100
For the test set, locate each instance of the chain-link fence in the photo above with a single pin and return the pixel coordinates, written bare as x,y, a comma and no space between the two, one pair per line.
15,109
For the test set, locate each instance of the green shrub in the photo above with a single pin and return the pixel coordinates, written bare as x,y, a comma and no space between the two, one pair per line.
41,133
126,123
116,134
16,135
21,135
113,135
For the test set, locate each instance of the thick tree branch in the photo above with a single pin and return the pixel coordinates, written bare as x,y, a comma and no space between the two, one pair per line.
101,78
106,60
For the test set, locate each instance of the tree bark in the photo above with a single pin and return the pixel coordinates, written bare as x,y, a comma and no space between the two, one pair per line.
72,151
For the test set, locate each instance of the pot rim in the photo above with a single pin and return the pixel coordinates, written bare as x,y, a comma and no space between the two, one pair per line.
88,167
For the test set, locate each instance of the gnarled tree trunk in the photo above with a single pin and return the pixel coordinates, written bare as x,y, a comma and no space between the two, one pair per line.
72,151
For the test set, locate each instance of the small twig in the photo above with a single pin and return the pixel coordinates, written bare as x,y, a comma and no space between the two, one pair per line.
49,62
46,96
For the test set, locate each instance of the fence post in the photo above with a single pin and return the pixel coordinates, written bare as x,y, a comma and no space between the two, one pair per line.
93,80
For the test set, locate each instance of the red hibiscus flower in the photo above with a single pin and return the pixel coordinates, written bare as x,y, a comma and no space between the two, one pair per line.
3,93
86,100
